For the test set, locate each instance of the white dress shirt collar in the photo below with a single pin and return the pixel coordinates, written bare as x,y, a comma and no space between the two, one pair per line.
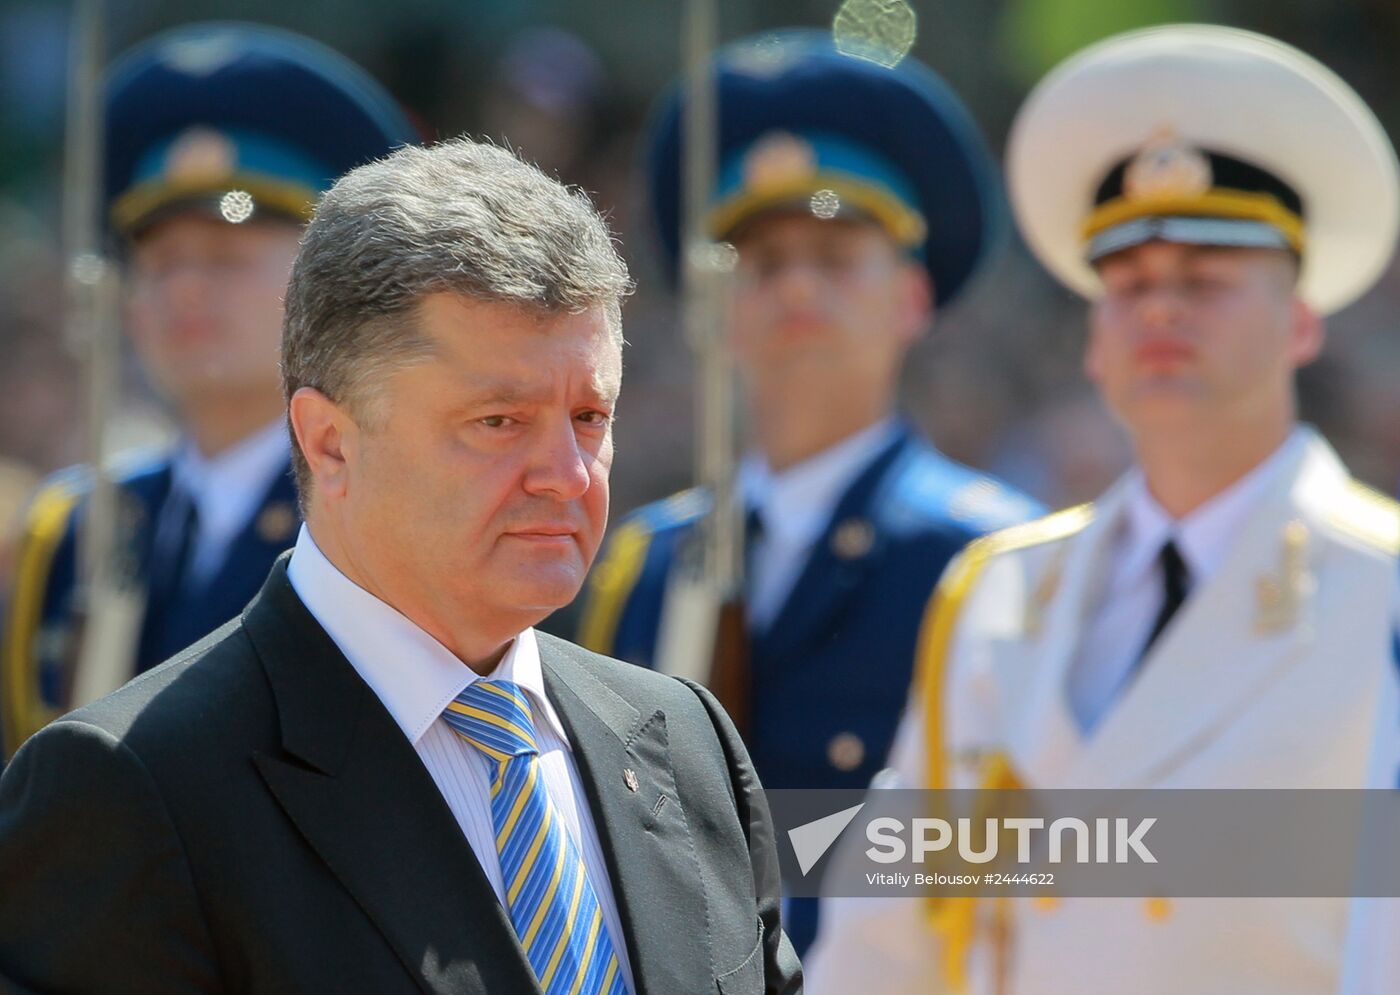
219,485
1204,537
797,503
226,490
413,674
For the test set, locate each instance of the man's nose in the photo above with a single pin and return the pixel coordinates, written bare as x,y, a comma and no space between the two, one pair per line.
558,465
1160,306
796,283
187,283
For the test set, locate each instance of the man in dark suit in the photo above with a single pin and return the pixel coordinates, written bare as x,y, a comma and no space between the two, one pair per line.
380,778
219,138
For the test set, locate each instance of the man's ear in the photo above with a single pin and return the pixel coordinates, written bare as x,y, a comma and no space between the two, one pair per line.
1092,361
327,436
917,300
1309,334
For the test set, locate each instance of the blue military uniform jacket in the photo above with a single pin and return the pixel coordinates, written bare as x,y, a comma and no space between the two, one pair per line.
831,674
41,622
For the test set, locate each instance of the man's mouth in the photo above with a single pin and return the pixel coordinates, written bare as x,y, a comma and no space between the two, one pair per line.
548,533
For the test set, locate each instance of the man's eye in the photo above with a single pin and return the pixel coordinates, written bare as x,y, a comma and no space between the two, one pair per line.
496,421
835,259
595,417
757,268
1205,284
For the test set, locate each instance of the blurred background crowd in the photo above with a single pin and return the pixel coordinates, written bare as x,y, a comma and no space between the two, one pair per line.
570,84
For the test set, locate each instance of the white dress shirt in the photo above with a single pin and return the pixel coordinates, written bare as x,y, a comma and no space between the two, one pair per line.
226,490
416,677
1132,590
795,507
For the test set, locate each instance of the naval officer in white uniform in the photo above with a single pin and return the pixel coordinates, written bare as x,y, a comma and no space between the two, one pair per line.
1221,617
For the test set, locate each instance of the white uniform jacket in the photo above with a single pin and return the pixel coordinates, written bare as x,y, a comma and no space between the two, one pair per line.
1267,678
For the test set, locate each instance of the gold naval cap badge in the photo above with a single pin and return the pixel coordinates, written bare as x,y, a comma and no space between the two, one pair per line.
1167,166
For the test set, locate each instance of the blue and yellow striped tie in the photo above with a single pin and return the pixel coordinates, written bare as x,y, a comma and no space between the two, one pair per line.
552,903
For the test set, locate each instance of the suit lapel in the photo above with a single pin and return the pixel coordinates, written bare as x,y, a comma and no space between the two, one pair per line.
358,793
1226,647
641,823
847,551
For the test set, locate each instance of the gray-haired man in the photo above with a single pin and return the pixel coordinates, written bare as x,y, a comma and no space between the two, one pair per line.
380,778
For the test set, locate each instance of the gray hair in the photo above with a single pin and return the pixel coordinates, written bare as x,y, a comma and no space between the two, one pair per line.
462,217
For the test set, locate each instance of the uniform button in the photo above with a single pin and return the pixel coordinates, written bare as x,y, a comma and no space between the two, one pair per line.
852,539
277,522
845,751
1045,904
1157,909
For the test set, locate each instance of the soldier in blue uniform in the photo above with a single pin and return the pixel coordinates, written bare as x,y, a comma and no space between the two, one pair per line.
219,139
860,199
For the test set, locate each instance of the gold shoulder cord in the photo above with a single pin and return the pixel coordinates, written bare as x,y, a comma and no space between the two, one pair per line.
955,919
1370,516
25,711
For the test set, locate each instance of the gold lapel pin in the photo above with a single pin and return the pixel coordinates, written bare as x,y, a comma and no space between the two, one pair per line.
629,778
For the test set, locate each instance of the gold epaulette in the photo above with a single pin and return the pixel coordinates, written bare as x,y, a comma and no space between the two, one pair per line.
1368,515
936,630
686,504
1034,533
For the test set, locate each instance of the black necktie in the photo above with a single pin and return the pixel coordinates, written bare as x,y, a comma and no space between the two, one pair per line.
173,555
1176,584
753,535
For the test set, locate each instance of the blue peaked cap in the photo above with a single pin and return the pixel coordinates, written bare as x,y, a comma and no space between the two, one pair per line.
203,109
898,137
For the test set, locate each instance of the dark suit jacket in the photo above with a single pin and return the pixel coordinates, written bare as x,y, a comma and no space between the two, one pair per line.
248,818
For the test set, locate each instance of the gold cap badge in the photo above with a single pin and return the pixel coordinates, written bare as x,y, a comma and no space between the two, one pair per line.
1167,167
200,155
777,160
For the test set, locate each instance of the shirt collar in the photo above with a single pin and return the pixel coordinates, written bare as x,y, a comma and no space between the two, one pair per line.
797,503
411,673
211,482
1205,536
